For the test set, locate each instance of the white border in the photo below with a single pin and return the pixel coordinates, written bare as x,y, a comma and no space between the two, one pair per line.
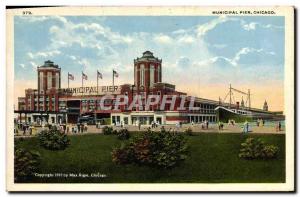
289,103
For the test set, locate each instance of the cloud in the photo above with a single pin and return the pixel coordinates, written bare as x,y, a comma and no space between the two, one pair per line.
186,39
250,26
33,64
163,39
22,65
253,25
204,28
44,54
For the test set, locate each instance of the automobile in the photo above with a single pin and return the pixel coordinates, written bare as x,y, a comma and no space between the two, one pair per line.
90,120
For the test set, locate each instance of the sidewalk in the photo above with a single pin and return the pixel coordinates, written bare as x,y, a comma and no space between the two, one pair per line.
213,128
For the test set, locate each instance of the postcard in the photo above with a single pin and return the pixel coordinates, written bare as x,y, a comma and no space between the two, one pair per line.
150,99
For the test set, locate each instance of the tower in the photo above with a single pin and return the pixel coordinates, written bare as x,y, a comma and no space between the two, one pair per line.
147,71
48,77
242,103
49,81
265,107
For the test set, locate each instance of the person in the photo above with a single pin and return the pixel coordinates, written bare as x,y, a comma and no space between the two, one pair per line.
177,125
82,127
78,127
65,128
279,126
246,127
192,122
30,130
207,123
139,123
24,129
221,125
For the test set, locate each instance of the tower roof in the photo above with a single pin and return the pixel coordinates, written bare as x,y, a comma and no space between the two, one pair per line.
49,63
147,56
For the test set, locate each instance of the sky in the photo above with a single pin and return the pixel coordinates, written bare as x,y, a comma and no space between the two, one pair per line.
201,55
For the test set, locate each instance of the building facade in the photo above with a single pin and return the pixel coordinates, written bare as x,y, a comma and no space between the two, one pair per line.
53,104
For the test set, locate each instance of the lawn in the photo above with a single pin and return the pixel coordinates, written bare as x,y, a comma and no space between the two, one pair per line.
213,159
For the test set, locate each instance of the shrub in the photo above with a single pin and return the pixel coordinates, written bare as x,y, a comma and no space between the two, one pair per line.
26,163
53,140
122,155
256,149
107,130
115,132
162,149
188,131
123,134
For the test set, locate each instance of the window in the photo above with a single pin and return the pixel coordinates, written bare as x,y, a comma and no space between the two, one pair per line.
49,80
158,74
56,80
41,80
135,75
151,75
142,75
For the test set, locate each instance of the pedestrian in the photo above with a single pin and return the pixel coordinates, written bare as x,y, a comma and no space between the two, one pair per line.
30,130
246,127
279,126
177,125
65,128
78,127
81,128
207,123
139,123
24,129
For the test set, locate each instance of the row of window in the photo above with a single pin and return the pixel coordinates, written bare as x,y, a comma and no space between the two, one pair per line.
49,80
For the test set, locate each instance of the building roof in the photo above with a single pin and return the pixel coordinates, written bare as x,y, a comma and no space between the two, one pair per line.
147,56
49,63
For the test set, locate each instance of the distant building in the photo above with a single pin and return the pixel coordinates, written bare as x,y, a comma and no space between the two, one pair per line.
265,107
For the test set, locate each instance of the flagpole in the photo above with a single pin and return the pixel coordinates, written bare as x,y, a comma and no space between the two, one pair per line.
66,115
82,82
97,82
68,80
113,79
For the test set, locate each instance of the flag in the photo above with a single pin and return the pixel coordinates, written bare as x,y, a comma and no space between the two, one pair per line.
84,76
115,73
99,75
71,77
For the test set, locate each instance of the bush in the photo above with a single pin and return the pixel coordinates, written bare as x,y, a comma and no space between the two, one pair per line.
123,134
159,149
256,149
115,132
107,130
26,163
122,155
188,131
53,139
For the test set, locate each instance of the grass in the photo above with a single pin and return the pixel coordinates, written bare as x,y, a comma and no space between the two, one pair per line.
213,159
